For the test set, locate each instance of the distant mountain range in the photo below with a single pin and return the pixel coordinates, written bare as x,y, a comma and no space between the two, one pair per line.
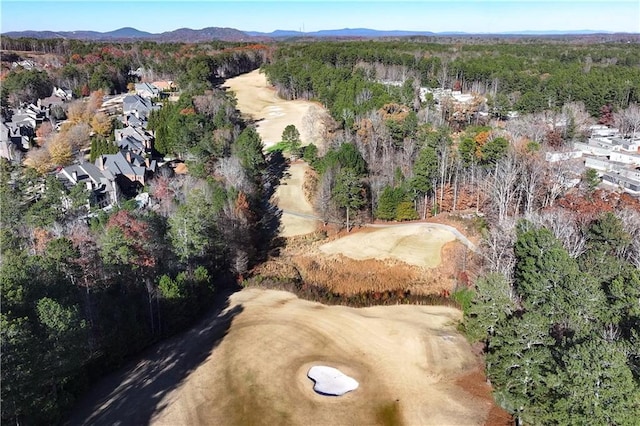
232,34
128,33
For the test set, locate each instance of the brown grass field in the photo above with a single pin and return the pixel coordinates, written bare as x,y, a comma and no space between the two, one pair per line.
407,360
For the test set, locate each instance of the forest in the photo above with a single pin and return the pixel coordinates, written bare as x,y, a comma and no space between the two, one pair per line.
555,294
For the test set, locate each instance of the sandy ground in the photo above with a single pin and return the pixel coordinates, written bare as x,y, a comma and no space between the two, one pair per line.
406,359
258,101
417,244
290,198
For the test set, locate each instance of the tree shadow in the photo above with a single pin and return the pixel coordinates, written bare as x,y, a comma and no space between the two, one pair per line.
132,395
277,166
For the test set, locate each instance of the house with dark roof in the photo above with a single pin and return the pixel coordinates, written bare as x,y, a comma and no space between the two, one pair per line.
102,186
129,170
147,90
131,144
15,139
145,137
133,121
138,106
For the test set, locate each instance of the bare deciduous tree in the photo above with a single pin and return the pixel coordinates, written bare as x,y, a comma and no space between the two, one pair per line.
234,174
531,126
577,118
631,223
497,248
628,120
566,228
208,104
503,185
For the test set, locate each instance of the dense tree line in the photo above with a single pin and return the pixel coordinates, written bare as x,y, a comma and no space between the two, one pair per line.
527,77
561,321
420,160
84,66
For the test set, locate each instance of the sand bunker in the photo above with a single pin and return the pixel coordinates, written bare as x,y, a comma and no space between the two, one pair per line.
406,359
331,381
417,244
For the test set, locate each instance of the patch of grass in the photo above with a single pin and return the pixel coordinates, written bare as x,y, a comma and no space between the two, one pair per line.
463,296
389,414
280,146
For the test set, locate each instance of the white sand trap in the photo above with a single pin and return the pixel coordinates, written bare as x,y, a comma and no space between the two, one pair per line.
417,244
331,381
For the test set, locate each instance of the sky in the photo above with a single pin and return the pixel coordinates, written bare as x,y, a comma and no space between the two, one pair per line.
472,16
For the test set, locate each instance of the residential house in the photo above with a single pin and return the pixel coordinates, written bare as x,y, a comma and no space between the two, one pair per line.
26,64
129,169
138,72
598,163
132,145
133,121
50,101
627,144
591,149
15,139
138,106
30,115
147,90
63,93
8,149
553,157
600,130
103,188
625,157
164,85
136,133
627,184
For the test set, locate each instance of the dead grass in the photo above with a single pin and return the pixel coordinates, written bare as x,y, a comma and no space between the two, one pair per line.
475,383
346,276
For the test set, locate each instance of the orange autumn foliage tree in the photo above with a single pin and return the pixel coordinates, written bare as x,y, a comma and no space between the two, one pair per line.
137,238
43,131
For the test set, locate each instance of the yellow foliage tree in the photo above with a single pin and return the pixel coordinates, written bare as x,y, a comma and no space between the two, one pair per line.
75,112
61,153
95,102
101,124
39,159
